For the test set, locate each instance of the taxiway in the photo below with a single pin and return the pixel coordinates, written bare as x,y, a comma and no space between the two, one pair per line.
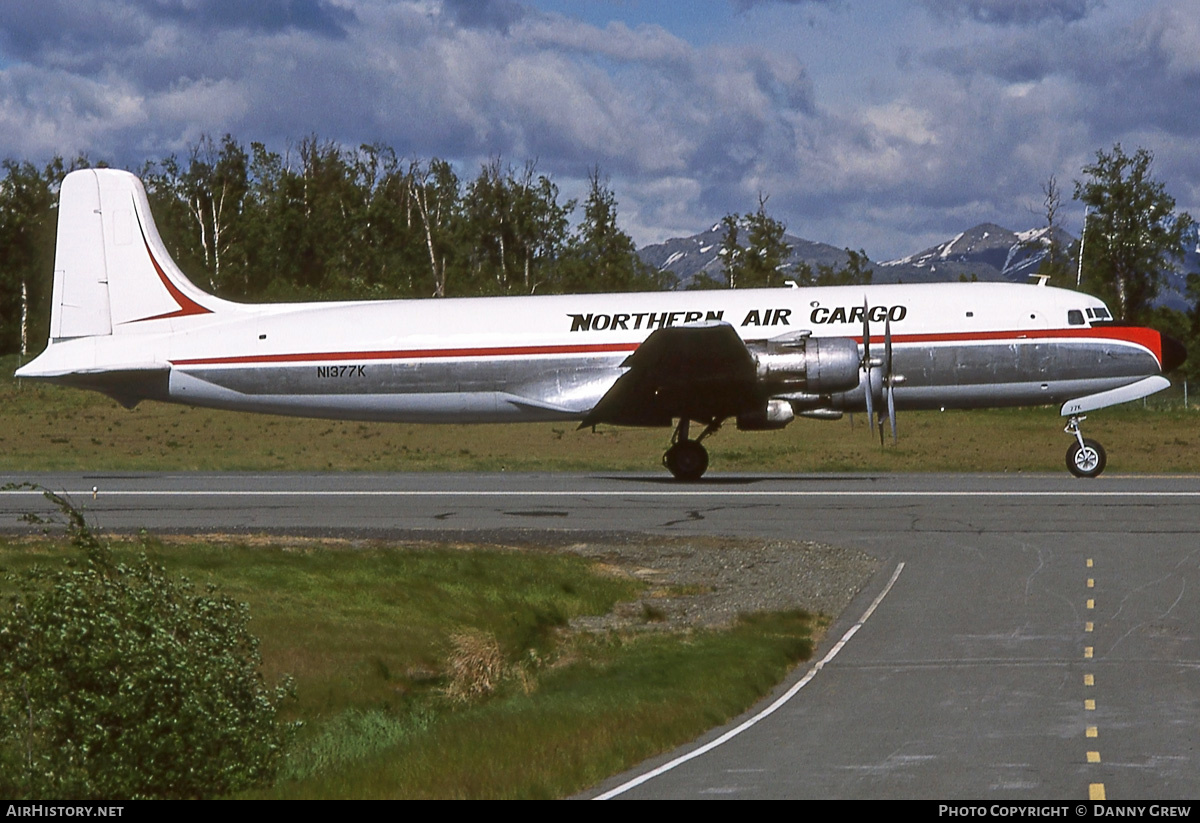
1041,642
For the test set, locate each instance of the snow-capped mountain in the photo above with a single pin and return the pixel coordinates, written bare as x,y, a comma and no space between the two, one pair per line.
699,255
986,252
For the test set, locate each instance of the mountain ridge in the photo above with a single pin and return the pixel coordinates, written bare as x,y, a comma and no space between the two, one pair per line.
987,252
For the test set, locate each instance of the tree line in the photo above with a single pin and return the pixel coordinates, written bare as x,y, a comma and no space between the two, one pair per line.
321,221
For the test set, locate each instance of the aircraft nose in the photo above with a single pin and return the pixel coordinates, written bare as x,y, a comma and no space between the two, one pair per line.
1173,352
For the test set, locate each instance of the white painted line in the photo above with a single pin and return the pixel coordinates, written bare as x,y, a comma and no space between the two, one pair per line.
724,493
768,711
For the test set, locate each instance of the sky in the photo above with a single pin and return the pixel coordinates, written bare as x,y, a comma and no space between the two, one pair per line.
886,126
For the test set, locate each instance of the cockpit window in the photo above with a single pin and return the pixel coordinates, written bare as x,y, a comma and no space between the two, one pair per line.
1075,317
1100,315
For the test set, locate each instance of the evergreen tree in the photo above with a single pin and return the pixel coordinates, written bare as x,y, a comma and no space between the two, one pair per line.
760,263
856,272
732,252
601,257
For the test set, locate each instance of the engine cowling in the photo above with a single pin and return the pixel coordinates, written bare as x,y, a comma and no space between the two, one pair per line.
816,366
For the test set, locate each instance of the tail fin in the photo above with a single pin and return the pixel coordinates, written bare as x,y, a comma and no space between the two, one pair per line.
112,273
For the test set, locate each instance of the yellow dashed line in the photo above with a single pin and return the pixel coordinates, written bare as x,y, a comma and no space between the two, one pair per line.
1095,790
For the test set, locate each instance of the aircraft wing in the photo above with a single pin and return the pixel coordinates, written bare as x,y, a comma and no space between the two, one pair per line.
701,373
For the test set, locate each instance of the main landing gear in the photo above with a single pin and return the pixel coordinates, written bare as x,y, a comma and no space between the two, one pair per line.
687,460
1085,458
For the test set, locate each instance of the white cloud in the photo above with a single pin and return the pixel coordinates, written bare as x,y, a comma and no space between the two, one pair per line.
969,123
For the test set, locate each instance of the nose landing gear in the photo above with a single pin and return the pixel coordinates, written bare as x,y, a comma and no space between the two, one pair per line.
1085,457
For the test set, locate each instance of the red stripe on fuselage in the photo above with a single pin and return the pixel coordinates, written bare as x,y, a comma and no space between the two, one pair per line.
1146,338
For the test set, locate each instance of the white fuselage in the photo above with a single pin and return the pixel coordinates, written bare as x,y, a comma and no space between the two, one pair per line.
554,357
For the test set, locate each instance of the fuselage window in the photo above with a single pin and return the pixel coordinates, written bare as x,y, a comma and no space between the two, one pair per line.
1075,317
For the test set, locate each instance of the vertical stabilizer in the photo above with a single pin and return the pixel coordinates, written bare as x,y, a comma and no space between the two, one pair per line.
80,305
113,274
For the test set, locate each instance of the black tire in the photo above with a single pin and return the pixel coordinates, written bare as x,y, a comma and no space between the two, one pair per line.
687,460
1087,460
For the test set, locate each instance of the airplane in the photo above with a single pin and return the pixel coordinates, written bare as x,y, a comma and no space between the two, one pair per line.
126,322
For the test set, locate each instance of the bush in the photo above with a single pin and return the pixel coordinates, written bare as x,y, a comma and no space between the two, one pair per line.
119,681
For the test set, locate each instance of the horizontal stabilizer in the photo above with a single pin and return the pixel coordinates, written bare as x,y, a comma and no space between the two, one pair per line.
1134,391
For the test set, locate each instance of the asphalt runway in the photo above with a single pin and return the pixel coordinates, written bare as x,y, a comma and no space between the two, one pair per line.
1039,642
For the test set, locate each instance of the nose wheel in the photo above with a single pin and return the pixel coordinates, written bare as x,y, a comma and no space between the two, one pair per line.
1085,457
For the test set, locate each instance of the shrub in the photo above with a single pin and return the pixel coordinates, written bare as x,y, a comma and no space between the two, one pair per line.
118,681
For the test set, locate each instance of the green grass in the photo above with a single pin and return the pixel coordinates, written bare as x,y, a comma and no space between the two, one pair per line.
626,700
368,630
44,428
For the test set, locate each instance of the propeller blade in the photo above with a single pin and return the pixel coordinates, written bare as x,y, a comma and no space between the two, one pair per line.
866,337
887,347
866,364
870,401
891,402
888,377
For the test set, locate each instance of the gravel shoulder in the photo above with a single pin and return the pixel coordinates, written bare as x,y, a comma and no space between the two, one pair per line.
708,581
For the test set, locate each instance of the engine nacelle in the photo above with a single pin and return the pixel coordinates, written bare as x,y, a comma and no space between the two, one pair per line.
799,362
775,414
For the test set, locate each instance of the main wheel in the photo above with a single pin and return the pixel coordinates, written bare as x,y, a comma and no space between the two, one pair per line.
687,460
1087,460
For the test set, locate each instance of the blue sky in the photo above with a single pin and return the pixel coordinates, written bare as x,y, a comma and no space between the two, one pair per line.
882,125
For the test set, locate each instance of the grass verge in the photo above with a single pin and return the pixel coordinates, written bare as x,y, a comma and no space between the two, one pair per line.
388,646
